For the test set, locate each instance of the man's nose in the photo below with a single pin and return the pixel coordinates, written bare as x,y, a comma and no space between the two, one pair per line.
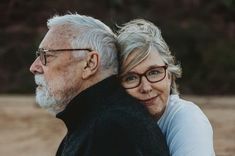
145,86
36,67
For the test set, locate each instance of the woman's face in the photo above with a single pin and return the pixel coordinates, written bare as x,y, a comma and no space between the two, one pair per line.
153,95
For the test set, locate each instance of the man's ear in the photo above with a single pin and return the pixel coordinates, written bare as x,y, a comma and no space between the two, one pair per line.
92,64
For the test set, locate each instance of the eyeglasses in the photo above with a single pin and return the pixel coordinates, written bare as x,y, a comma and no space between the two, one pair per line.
153,75
42,53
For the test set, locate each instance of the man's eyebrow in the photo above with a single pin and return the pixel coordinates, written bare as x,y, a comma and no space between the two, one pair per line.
47,51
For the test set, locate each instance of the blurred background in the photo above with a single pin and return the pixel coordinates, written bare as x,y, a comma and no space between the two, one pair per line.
200,33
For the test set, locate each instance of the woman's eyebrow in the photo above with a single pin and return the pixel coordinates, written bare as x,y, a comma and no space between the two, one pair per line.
150,67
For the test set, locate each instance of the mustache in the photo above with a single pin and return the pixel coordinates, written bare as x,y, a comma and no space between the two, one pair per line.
40,80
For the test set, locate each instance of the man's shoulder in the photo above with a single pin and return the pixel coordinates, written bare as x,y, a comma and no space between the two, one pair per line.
124,108
124,113
132,118
130,127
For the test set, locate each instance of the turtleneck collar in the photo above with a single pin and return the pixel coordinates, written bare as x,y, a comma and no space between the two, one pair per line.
89,100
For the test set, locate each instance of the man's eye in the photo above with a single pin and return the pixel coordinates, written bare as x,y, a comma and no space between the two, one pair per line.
49,55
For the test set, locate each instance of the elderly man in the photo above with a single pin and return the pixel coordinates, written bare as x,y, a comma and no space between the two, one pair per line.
75,75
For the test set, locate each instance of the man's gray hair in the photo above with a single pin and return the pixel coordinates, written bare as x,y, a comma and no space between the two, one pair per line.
140,36
88,32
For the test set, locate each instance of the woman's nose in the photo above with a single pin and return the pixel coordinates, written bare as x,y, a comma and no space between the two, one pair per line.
145,86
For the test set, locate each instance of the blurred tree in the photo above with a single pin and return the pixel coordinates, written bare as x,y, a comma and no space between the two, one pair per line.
200,34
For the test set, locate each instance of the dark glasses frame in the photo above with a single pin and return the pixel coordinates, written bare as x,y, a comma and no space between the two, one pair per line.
144,74
41,53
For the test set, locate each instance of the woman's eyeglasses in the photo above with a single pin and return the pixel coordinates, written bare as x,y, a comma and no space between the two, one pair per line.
153,75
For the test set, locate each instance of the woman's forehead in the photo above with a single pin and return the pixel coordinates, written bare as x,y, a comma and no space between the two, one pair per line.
153,59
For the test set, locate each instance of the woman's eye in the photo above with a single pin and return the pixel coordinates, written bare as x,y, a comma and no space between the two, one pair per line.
130,78
153,72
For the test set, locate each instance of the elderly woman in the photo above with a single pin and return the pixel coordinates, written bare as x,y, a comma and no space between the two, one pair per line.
148,72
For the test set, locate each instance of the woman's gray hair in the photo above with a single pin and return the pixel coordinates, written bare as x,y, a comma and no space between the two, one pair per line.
88,32
140,36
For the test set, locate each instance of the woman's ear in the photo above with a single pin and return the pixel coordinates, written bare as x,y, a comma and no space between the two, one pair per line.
169,76
92,64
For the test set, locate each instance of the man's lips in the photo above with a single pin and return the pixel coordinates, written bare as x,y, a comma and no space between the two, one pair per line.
39,85
149,102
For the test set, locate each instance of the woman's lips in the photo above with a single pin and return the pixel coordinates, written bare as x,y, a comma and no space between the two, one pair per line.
149,102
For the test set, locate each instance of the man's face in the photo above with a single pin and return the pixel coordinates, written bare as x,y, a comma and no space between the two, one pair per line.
60,79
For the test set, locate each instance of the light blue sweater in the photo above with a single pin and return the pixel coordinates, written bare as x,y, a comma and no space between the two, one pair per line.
188,131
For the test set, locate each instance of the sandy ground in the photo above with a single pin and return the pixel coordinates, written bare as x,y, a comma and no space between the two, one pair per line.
26,130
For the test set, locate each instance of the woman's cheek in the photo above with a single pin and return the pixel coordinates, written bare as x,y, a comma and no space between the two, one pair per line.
132,92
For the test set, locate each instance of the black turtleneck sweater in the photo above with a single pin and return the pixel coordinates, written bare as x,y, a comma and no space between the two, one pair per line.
104,121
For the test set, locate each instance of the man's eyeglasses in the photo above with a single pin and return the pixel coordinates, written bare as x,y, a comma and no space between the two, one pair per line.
153,75
42,53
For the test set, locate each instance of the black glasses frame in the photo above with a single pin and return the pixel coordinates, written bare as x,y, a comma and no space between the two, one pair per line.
41,53
144,74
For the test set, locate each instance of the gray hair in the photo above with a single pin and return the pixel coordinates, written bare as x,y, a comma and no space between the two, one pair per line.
91,33
140,36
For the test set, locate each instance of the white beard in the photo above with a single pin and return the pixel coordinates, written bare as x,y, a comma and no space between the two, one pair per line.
46,99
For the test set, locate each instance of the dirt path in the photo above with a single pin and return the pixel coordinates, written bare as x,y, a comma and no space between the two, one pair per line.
26,130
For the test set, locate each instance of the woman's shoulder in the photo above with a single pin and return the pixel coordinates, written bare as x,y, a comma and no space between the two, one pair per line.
178,106
183,115
184,123
179,110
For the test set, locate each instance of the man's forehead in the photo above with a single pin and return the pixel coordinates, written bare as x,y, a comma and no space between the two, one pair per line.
58,37
65,31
